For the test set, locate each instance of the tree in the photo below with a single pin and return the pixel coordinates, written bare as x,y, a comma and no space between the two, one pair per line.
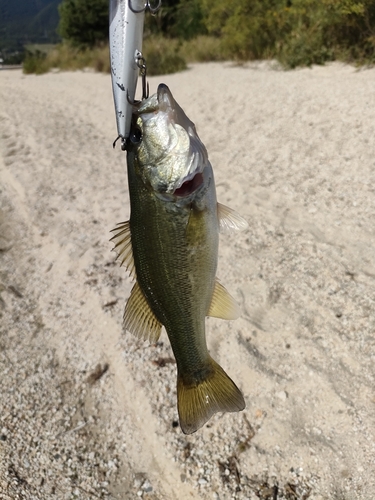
84,23
181,18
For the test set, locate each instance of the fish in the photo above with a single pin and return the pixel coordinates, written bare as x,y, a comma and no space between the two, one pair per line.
170,247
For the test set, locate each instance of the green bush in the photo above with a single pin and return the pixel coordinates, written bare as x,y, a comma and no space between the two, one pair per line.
35,62
183,19
162,56
248,29
202,48
319,31
84,23
297,32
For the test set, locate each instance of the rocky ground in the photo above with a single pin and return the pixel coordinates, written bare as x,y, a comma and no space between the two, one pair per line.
86,410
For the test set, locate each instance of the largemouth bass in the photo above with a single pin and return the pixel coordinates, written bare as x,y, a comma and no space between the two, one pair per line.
170,246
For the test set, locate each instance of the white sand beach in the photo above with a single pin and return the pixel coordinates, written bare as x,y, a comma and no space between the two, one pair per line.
86,410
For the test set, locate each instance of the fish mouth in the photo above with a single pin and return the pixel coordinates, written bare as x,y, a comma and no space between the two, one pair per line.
165,98
188,187
163,101
176,114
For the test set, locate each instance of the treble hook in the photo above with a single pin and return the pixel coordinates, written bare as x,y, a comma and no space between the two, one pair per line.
148,6
123,142
141,63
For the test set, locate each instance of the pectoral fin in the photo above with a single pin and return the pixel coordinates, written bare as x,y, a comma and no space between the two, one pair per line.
230,220
223,304
123,246
138,317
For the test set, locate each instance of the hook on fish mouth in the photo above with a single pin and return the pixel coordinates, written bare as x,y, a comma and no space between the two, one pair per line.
123,142
135,136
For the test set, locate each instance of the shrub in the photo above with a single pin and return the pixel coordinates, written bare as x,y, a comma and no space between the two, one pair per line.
162,56
35,62
203,48
84,23
297,32
68,58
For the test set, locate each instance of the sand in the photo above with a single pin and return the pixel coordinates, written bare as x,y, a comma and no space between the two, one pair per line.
86,410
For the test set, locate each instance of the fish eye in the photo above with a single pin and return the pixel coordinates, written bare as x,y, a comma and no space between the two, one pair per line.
136,135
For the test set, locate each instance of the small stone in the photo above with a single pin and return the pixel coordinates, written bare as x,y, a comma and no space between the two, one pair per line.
282,395
147,486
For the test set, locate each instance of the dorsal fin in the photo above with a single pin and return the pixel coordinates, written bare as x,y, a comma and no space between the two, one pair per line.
230,220
139,318
123,246
223,304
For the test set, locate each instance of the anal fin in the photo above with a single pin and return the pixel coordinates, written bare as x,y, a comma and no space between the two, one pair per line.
223,304
139,318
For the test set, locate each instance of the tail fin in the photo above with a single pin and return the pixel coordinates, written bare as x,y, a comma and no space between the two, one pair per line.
199,401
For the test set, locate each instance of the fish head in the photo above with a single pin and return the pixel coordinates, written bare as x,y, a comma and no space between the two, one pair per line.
169,155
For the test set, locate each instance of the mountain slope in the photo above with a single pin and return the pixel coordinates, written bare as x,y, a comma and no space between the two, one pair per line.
28,21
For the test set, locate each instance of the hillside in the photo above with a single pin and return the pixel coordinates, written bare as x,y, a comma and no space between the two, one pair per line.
28,21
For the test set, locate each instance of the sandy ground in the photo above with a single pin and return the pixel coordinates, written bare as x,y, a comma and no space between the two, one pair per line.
86,410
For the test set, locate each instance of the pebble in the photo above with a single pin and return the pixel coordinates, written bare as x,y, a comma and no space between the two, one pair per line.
282,395
147,486
202,481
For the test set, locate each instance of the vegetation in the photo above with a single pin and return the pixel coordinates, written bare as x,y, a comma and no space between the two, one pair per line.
84,23
162,56
295,32
181,19
67,57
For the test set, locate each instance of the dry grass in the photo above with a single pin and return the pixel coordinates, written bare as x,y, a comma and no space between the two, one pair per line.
163,56
67,58
202,49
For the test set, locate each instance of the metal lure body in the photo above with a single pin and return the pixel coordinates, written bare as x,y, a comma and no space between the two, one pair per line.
126,19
